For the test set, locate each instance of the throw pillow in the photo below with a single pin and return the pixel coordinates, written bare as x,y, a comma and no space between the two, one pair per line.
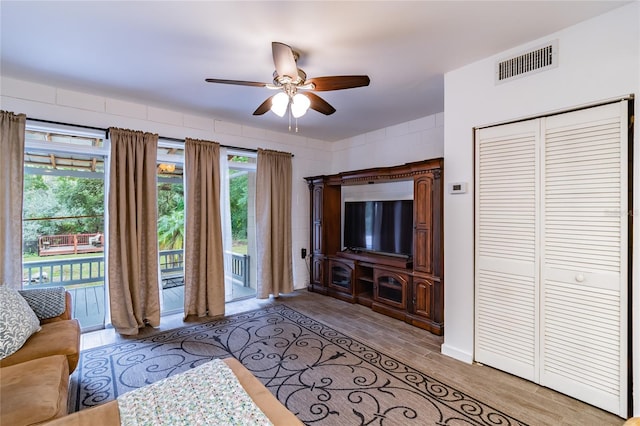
17,321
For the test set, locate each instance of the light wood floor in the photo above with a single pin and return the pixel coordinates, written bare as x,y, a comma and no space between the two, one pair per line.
530,403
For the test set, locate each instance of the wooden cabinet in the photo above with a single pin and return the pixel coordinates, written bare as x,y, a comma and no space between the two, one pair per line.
390,287
364,284
410,289
341,278
390,292
426,304
421,296
422,217
324,230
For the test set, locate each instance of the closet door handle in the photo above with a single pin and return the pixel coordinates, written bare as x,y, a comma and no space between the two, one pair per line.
579,278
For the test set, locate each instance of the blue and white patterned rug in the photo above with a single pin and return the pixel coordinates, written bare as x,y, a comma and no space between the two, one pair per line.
318,373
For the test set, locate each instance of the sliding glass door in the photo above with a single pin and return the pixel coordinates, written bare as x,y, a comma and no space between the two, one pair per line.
171,225
238,171
63,218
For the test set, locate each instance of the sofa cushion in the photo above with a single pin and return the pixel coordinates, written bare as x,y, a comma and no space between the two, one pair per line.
34,391
56,338
45,302
17,321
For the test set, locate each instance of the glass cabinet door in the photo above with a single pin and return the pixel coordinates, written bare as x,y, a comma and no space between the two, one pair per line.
390,288
341,276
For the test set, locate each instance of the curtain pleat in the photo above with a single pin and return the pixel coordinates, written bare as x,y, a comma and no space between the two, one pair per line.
225,214
12,128
204,254
273,223
133,238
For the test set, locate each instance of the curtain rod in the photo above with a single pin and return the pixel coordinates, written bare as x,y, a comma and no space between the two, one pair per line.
106,133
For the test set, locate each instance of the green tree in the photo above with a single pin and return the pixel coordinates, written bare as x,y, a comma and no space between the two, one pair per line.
50,198
170,216
171,230
83,197
238,197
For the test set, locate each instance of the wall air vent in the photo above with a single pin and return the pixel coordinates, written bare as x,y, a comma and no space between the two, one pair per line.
530,62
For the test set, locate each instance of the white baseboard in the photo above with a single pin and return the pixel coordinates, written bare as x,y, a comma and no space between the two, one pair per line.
456,353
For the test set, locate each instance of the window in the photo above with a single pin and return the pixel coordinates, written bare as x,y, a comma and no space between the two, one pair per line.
63,217
171,225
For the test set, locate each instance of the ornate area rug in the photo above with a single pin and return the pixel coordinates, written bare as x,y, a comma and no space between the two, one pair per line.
320,374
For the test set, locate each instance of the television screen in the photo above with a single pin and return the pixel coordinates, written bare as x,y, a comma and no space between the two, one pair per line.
379,226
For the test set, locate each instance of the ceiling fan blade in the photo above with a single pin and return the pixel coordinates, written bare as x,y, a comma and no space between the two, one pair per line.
264,107
319,104
284,60
236,82
338,82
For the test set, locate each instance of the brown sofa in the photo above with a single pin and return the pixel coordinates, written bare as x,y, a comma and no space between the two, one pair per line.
34,381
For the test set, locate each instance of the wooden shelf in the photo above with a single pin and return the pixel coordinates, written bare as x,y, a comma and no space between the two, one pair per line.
377,258
365,298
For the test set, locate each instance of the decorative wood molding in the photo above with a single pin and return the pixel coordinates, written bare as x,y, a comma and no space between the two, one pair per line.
381,174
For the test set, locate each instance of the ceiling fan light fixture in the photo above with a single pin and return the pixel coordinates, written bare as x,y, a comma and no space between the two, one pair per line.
279,104
300,105
288,78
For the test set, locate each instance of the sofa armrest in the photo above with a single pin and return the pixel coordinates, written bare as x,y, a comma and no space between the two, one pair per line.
66,315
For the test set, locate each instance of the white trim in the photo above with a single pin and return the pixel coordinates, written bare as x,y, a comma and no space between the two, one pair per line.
456,353
65,129
561,110
65,148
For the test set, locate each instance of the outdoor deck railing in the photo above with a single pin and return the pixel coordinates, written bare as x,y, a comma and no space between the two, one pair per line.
89,270
240,268
79,270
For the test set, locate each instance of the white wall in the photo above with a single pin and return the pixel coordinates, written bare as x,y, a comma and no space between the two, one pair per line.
598,59
312,157
410,141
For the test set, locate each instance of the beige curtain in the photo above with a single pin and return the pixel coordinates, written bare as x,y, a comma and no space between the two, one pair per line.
273,223
203,253
133,237
12,128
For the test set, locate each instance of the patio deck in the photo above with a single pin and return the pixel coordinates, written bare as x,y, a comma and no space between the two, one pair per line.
89,307
84,278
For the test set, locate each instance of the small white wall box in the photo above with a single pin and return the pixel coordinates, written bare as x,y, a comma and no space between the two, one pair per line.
458,188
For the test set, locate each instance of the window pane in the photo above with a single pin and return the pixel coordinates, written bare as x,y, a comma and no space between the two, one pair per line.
171,243
63,241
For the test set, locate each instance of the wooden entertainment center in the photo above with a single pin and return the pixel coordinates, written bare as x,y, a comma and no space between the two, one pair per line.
409,288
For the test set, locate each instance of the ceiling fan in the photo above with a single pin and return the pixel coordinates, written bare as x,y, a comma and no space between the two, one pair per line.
290,81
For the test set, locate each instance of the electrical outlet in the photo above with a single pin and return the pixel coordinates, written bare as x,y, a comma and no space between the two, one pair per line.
303,253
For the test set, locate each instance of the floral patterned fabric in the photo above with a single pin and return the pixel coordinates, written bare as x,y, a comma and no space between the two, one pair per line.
17,321
206,395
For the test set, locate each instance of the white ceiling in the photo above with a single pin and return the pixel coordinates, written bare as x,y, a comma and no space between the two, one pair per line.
160,52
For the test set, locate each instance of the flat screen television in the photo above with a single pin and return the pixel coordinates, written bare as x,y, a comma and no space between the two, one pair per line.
379,226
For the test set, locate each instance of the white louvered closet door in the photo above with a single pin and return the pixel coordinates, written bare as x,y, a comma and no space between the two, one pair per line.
584,255
551,245
507,247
